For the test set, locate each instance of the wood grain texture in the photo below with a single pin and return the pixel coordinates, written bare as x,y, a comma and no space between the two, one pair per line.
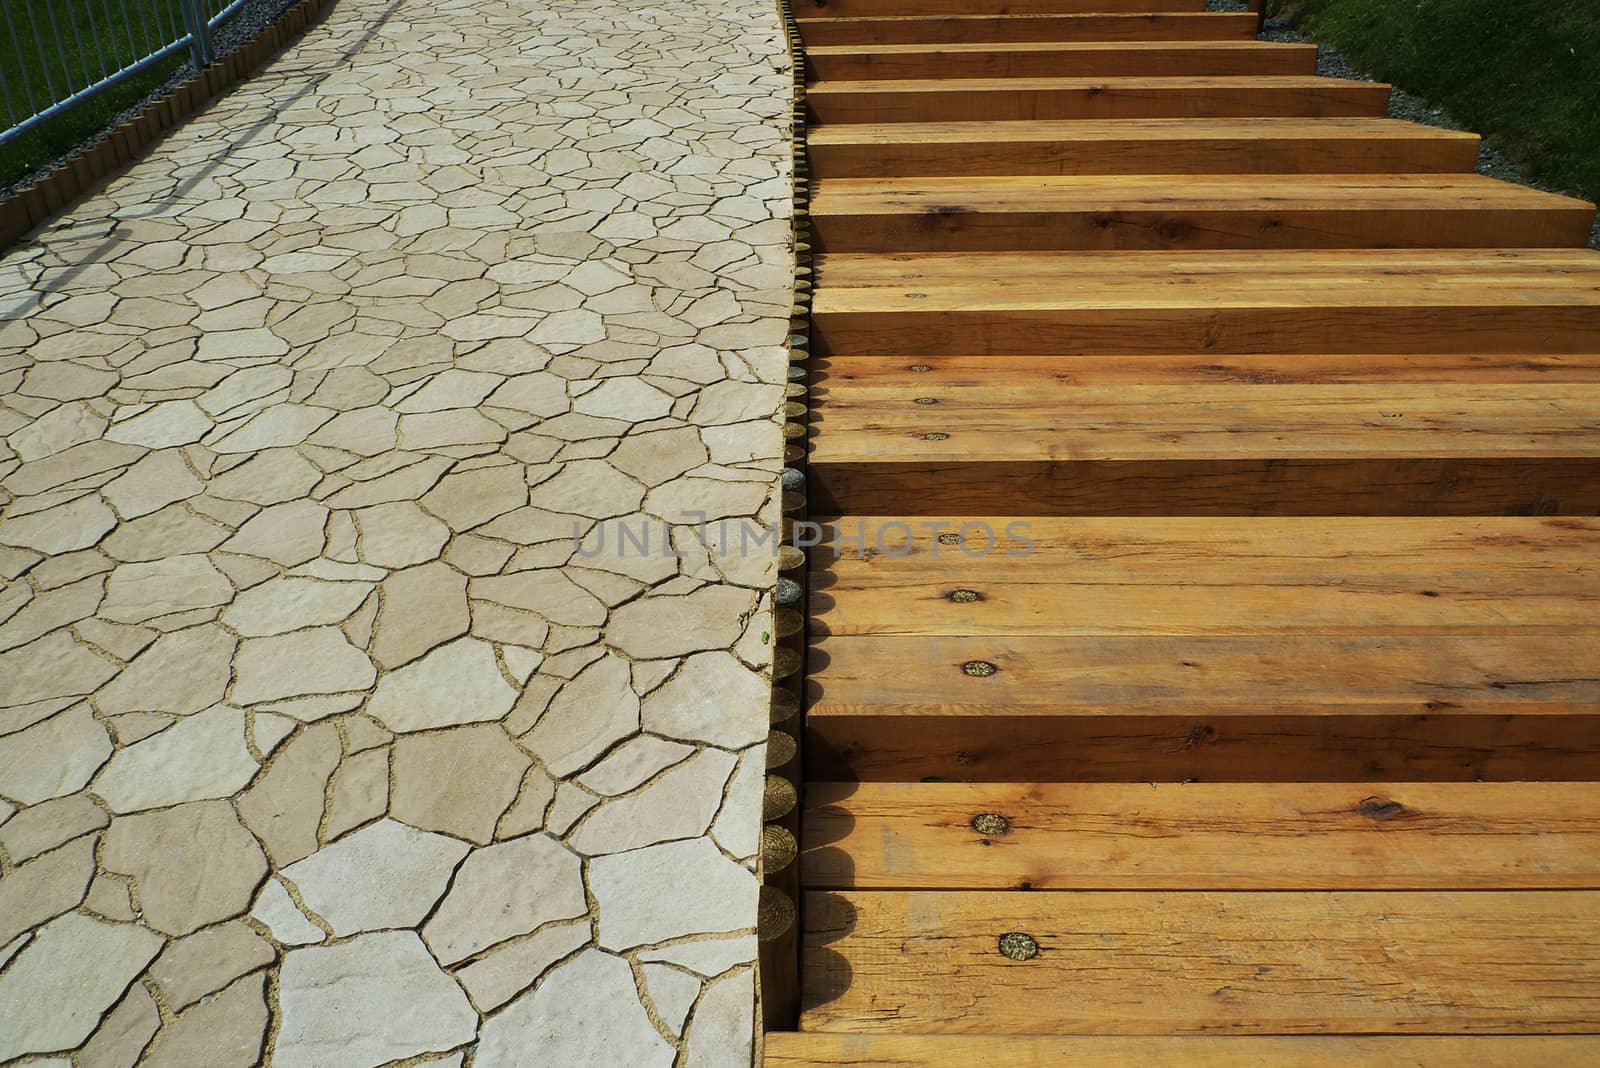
1202,836
1185,963
837,9
1058,59
1213,302
952,29
1138,147
1134,97
824,1050
1201,211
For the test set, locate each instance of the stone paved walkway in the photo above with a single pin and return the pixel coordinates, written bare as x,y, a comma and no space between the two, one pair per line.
321,742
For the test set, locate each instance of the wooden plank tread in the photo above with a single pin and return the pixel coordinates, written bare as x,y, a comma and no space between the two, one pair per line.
1200,836
790,1049
1131,97
1057,59
1114,962
991,213
1098,26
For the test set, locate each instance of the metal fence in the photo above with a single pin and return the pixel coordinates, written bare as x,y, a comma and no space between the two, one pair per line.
55,54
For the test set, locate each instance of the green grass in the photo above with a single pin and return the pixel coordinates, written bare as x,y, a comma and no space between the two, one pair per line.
93,23
1525,75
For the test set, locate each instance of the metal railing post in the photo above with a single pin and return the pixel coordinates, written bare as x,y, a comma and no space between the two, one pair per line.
200,47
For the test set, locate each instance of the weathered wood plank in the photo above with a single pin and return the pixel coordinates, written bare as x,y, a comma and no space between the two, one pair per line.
1201,836
1142,97
1138,146
835,9
1200,211
1059,59
954,29
824,1050
1280,301
1134,963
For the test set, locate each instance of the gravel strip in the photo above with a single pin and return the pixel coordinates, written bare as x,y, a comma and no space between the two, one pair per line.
242,27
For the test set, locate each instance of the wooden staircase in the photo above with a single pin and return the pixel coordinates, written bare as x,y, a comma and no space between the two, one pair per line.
1204,646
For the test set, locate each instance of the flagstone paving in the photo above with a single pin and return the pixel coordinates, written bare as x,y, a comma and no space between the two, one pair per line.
339,725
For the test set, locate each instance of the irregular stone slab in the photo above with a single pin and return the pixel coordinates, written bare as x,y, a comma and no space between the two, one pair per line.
277,910
360,791
667,891
399,534
286,534
593,712
458,781
64,528
715,699
207,961
180,673
548,593
138,592
724,1024
156,481
55,991
127,1030
456,683
680,804
632,763
269,477
423,607
563,1020
590,488
42,827
501,975
43,889
284,807
289,603
503,891
672,992
469,499
170,531
192,865
374,999
654,627
53,667
224,1031
200,757
316,661
53,758
384,875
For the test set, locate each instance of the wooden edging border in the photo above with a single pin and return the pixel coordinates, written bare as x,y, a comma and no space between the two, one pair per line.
778,927
80,173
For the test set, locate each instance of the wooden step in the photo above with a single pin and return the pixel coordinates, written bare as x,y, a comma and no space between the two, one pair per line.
1139,147
1059,59
960,29
1141,97
824,9
790,1049
1220,303
1422,962
1146,649
1202,211
1018,436
1201,836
